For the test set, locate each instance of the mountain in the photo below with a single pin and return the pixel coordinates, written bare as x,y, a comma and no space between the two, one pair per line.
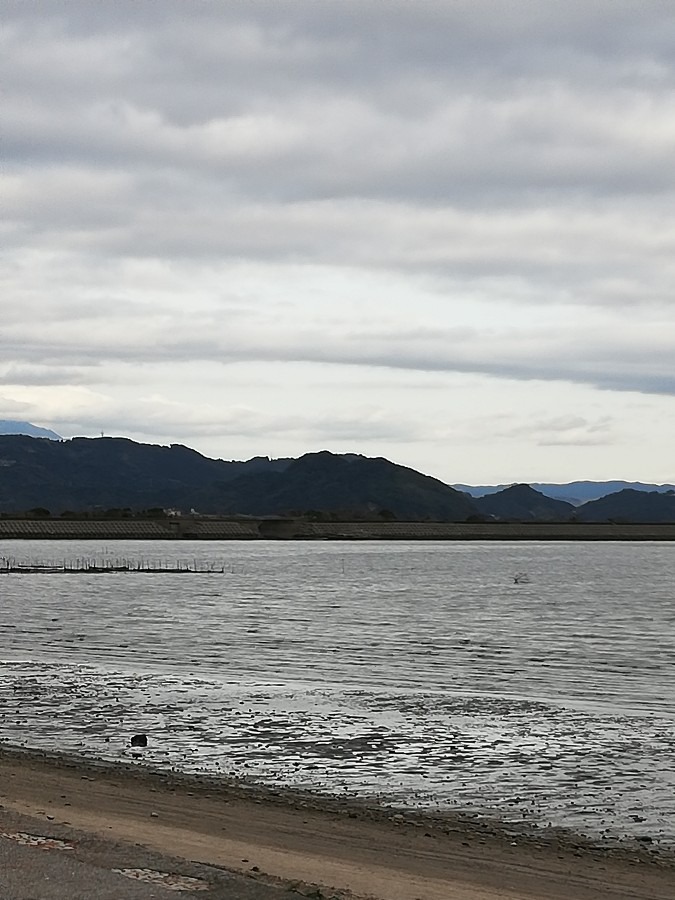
349,484
574,492
578,492
521,503
108,472
480,490
629,505
115,473
101,474
12,426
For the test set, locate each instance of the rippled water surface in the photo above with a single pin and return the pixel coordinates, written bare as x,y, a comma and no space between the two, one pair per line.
420,674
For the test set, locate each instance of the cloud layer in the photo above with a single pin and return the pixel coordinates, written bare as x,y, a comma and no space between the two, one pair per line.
395,200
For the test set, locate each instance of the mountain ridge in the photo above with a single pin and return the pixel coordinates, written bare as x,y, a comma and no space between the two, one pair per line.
629,505
574,492
117,475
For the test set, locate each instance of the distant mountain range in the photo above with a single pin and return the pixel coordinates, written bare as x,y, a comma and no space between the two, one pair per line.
522,503
574,492
14,426
109,475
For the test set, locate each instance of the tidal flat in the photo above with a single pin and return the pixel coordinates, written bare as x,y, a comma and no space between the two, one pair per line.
418,677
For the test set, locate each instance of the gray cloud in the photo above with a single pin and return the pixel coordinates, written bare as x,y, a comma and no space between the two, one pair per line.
481,194
330,133
159,421
40,375
632,357
303,102
566,431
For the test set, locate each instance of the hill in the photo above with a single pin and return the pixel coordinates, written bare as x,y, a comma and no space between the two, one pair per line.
117,473
521,503
84,473
629,506
346,484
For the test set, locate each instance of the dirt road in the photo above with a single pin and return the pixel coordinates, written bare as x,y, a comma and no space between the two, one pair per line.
289,841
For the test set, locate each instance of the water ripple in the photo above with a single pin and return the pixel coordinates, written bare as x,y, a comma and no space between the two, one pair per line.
416,674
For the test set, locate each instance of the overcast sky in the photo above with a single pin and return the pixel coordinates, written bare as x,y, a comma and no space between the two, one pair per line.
440,231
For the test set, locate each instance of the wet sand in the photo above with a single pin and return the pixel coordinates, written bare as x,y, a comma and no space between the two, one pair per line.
304,841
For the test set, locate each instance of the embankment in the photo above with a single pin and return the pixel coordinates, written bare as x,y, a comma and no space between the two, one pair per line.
206,529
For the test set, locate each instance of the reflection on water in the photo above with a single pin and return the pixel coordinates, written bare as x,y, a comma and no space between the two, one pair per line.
420,674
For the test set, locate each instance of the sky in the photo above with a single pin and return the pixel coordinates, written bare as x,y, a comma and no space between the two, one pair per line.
439,231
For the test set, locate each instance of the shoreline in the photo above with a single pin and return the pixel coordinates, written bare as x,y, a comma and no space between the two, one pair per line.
297,837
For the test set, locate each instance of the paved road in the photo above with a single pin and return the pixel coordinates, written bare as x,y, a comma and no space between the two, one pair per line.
78,866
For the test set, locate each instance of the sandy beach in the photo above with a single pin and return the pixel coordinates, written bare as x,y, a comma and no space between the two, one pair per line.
307,842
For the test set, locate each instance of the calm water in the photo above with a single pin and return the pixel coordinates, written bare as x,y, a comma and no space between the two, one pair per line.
419,674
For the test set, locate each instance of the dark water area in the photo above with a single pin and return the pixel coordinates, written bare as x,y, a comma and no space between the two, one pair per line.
420,675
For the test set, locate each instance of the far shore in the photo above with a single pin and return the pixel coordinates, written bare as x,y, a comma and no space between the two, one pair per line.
343,848
213,528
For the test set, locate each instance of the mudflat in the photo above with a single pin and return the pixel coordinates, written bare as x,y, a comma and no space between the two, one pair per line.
304,841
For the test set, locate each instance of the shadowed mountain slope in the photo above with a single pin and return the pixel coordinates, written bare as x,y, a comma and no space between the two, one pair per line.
521,503
108,473
115,473
629,506
347,484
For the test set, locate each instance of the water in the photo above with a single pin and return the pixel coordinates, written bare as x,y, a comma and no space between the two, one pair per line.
416,674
